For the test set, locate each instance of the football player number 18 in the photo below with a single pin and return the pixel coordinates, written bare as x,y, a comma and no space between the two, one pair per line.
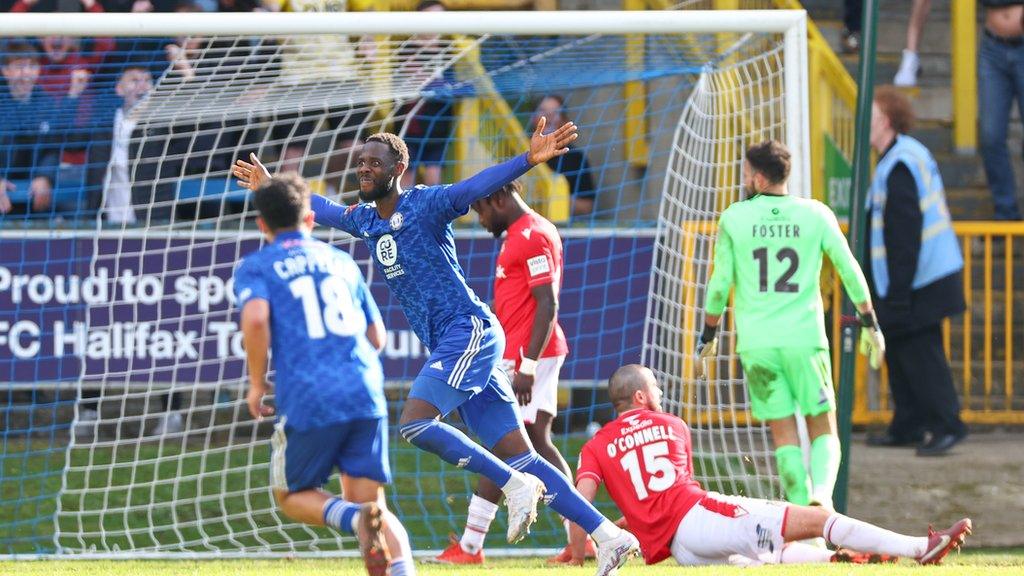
338,316
661,473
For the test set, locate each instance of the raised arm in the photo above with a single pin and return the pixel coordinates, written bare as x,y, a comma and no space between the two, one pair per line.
543,147
251,175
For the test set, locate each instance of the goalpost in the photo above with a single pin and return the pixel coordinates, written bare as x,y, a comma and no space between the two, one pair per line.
127,433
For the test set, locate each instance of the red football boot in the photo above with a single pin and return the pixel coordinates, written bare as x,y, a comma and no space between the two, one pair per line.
844,556
565,556
372,544
944,541
454,554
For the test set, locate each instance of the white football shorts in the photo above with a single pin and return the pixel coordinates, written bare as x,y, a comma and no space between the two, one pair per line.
545,387
730,530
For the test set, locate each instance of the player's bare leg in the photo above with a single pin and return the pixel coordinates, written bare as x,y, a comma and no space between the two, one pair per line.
826,453
804,522
382,538
615,545
789,458
420,424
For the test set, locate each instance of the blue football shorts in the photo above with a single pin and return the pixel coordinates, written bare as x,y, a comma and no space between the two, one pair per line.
463,373
304,459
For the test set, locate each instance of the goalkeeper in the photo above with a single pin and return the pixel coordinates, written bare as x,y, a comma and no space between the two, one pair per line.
770,248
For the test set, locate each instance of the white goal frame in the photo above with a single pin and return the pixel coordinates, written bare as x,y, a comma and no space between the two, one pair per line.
790,24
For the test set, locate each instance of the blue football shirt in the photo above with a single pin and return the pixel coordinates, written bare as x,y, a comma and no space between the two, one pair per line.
414,249
327,370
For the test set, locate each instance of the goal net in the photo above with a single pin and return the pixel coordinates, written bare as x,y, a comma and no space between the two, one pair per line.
126,430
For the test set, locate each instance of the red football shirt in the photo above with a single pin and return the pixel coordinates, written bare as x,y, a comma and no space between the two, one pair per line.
530,256
645,460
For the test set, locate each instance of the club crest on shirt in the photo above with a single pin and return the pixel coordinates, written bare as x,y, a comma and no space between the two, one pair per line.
396,220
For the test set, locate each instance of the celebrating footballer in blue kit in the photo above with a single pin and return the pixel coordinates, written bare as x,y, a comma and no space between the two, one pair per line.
410,237
308,303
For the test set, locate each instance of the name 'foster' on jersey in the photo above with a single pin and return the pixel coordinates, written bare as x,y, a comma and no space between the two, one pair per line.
770,248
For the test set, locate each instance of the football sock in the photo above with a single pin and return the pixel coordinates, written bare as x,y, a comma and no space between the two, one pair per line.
560,495
800,553
790,460
402,567
846,532
341,514
455,448
825,455
481,514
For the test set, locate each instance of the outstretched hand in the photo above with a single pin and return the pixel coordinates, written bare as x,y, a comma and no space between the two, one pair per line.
250,175
544,147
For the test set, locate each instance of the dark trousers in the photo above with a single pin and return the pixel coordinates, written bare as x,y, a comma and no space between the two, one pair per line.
853,13
922,386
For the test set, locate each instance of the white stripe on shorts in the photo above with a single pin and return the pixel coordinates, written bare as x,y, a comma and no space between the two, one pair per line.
466,360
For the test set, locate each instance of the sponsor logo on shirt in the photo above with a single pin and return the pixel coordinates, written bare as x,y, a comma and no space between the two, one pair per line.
526,233
387,255
538,265
437,365
396,220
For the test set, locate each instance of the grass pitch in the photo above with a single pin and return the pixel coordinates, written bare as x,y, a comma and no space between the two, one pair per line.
980,562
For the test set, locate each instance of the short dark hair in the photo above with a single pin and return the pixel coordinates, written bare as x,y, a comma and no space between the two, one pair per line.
424,4
771,159
896,107
20,51
282,200
399,151
513,187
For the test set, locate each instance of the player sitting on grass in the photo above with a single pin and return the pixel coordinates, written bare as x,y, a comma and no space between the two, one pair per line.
410,238
309,304
645,459
770,247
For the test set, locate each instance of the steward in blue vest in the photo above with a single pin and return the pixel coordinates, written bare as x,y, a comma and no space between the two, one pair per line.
915,276
915,271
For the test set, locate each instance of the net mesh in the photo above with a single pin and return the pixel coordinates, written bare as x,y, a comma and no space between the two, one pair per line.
127,430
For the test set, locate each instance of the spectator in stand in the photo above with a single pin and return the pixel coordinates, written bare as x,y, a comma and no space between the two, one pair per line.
28,147
56,6
428,122
853,12
573,164
915,278
910,64
1000,82
63,60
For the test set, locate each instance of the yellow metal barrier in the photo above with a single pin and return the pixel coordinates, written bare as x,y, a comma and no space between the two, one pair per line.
964,55
986,391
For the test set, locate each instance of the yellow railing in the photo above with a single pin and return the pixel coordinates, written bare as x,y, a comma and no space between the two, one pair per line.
984,377
964,53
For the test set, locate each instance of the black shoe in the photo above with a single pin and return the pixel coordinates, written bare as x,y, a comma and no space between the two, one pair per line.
889,441
939,444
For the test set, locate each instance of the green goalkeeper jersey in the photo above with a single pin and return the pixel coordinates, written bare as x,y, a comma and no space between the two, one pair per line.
770,248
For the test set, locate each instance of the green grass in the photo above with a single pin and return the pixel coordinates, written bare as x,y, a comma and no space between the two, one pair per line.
149,495
988,562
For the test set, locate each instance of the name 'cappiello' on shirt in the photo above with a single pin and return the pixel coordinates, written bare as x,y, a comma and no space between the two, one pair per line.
327,372
414,249
770,248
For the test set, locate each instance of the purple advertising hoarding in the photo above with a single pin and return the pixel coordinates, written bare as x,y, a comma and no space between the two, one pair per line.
158,308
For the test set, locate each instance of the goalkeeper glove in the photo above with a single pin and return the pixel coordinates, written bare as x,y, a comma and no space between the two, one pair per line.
872,343
707,349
